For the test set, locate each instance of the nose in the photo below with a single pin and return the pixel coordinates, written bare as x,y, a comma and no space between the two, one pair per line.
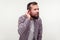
37,10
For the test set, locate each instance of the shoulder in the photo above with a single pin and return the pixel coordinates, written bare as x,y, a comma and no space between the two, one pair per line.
22,18
39,19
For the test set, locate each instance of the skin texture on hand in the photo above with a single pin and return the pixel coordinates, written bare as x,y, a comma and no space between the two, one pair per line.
28,15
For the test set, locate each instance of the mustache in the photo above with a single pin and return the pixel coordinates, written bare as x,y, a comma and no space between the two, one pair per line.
37,14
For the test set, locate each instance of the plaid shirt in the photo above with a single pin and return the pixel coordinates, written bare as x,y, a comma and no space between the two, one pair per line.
24,27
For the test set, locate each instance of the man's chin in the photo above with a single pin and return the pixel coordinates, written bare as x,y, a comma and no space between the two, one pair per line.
35,17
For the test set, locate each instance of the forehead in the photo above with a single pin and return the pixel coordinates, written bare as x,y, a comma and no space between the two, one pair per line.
34,6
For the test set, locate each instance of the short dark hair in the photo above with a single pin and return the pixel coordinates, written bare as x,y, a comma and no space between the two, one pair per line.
28,5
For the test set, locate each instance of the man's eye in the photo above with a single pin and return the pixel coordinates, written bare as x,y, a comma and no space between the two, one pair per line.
36,9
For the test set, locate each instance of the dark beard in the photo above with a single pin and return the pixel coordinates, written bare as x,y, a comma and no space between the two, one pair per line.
35,17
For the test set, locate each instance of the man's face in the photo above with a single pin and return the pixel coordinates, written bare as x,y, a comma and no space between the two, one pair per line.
34,12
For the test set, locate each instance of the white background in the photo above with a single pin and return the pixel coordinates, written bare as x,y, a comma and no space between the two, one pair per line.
11,10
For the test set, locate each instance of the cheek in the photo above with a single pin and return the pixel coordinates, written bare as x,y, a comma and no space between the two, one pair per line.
33,13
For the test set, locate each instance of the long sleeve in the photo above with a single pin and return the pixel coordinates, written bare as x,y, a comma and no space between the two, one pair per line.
22,25
40,31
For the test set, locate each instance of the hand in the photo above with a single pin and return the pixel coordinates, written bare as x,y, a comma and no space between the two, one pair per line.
28,15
